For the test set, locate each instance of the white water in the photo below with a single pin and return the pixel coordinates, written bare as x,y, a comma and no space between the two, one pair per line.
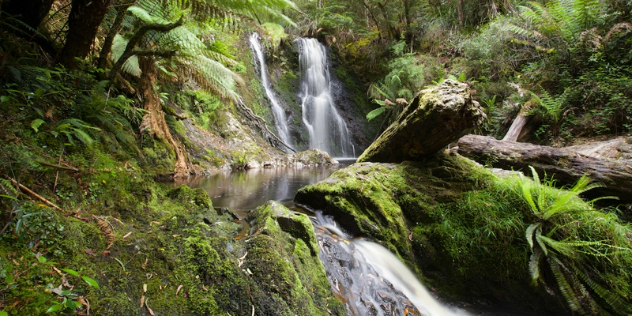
280,120
370,280
327,130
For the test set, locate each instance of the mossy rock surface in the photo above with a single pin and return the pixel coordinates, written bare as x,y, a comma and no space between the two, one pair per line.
438,116
457,225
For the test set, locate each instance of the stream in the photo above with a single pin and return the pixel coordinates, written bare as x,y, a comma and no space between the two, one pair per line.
366,277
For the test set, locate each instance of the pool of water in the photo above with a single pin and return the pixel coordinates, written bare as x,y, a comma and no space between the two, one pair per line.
247,189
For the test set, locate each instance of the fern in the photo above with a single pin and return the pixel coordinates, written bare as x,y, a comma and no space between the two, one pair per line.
8,188
557,217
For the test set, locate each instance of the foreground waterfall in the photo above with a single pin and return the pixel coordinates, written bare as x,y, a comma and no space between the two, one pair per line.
327,129
370,280
280,120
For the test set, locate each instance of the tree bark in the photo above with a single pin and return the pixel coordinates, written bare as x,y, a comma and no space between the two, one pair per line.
564,165
83,24
459,8
154,121
116,27
31,12
516,127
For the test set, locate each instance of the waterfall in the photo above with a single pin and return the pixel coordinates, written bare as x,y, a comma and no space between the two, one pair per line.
280,120
369,279
327,130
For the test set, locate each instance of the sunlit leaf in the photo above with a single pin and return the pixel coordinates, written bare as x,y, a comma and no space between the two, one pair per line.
70,271
91,281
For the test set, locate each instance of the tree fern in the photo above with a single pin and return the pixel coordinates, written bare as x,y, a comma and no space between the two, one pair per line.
131,64
558,23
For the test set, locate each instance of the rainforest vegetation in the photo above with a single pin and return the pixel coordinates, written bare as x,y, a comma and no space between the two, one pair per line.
101,99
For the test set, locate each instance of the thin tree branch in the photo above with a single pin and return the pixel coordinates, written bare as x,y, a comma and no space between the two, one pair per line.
129,49
37,196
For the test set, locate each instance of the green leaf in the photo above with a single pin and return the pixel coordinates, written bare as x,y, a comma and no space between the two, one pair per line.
41,259
8,197
141,13
375,113
35,124
54,308
3,99
3,313
70,271
529,233
534,265
91,281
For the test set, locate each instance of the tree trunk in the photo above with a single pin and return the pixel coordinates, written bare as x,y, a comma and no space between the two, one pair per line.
564,165
154,121
392,31
459,7
31,12
516,127
116,27
83,24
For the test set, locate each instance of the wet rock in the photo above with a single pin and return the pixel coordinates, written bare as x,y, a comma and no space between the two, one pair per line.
436,117
311,157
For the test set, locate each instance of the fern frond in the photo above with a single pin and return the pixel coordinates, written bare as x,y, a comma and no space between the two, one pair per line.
620,304
566,289
210,74
534,265
8,186
529,233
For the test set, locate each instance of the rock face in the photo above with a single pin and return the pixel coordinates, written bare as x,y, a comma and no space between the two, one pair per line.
436,117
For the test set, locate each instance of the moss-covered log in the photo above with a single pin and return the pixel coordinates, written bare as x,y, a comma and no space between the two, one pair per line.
564,165
436,117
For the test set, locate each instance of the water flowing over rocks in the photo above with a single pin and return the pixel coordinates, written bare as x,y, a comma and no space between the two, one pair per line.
436,117
280,119
327,130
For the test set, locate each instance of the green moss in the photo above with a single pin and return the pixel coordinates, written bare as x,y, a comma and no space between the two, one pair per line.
284,261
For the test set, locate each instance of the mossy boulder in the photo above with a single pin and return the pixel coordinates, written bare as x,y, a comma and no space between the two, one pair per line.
283,259
437,116
460,227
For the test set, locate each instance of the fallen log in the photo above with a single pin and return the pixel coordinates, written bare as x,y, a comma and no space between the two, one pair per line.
564,165
436,117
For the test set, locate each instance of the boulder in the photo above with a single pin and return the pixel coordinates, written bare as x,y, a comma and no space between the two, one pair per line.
311,157
437,116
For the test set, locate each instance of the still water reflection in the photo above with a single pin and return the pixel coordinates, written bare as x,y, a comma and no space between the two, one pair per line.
251,188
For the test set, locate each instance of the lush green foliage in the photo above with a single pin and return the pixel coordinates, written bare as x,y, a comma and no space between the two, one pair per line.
555,242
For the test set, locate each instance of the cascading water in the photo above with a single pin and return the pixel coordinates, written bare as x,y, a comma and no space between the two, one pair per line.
280,120
327,130
369,279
